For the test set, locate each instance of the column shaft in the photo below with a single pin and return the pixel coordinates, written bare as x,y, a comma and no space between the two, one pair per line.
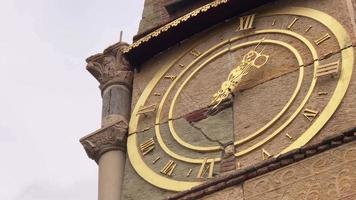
116,104
107,146
111,174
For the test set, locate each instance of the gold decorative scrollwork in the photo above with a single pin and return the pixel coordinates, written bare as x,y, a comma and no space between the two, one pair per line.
174,23
251,59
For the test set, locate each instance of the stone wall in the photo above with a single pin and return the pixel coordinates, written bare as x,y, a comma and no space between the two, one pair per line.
153,15
329,175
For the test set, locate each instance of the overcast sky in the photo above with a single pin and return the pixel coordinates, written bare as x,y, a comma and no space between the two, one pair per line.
48,100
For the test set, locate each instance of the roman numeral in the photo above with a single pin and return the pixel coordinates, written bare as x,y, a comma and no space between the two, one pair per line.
289,136
155,160
238,165
292,23
331,68
308,29
322,39
246,22
189,172
195,52
147,109
204,169
169,168
147,146
310,114
170,77
265,154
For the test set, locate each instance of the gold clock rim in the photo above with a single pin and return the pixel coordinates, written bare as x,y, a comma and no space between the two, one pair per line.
348,59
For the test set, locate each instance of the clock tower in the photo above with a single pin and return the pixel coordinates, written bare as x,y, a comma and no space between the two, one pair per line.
230,99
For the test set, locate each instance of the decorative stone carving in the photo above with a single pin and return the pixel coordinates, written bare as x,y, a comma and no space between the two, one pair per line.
111,137
329,175
111,67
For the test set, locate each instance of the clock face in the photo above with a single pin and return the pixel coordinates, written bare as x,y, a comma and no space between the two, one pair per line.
252,81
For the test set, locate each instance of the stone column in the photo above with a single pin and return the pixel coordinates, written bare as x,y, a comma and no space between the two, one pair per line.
107,146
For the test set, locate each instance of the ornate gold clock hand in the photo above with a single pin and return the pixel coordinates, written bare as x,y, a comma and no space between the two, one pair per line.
251,59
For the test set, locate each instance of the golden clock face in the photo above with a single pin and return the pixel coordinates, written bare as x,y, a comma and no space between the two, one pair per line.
266,82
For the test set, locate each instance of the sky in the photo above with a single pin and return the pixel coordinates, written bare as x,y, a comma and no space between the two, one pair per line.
48,100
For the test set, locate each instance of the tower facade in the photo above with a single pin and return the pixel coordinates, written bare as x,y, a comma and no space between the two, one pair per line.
230,99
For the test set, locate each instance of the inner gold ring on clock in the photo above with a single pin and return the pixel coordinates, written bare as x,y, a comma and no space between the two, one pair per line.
250,137
285,108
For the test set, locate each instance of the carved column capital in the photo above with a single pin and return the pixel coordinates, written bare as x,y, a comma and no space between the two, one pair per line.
111,137
111,67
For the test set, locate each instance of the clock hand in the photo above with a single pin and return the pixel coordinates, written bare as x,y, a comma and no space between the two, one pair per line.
228,87
222,99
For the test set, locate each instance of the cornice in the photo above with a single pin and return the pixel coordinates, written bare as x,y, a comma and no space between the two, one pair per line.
183,27
174,23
